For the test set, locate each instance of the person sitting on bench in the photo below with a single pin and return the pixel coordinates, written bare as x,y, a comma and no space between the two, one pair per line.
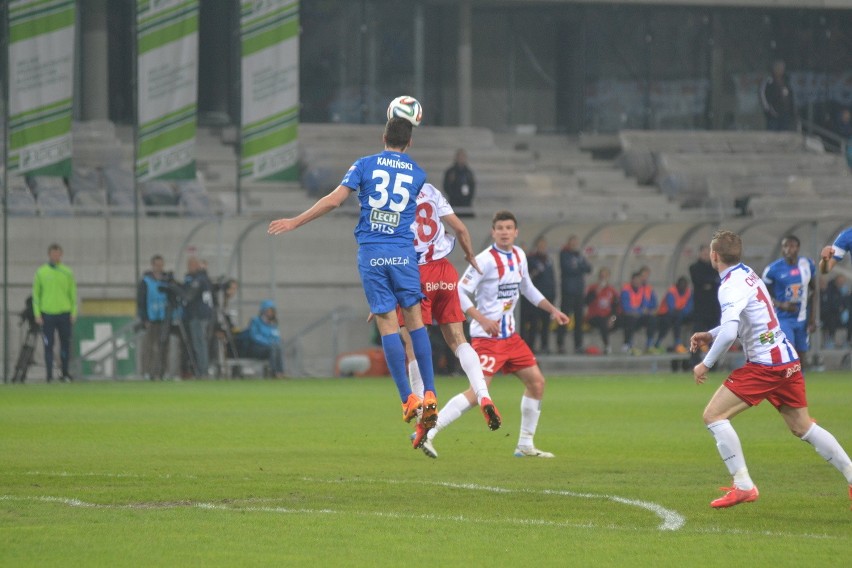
262,340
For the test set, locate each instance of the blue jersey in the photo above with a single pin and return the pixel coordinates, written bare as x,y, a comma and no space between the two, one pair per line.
842,244
387,186
789,283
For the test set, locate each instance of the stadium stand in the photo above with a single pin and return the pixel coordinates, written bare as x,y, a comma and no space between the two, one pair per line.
716,169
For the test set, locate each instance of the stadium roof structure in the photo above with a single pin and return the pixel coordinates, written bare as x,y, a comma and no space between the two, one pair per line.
799,4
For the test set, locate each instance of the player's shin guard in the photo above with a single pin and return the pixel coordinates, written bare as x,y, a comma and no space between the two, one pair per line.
473,369
423,354
731,452
395,357
414,379
830,449
530,412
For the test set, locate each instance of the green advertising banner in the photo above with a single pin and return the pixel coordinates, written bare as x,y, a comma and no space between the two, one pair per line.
41,84
167,73
101,357
270,89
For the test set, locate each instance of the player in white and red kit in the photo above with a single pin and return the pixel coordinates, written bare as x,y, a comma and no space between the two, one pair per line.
439,280
772,371
497,289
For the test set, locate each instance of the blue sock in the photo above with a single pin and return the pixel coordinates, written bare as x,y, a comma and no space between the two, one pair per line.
423,354
395,357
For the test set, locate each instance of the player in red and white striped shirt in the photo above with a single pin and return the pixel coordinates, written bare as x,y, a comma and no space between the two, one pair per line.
497,289
439,280
772,371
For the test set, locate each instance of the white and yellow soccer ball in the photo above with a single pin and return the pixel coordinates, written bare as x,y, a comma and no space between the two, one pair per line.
406,107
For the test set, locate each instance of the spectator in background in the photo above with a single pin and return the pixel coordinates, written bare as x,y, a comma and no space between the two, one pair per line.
573,268
705,291
197,313
833,308
55,308
776,98
460,185
262,340
151,304
543,277
602,301
675,310
843,128
638,309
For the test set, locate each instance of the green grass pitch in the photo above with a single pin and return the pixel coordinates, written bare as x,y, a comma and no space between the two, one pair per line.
321,473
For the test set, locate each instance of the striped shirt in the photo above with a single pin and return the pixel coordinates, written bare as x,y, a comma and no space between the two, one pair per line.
497,290
744,299
431,241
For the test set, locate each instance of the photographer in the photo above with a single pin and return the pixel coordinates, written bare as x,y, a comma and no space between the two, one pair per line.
151,305
197,313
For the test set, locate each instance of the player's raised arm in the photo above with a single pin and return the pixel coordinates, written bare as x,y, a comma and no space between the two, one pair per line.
325,204
826,259
463,237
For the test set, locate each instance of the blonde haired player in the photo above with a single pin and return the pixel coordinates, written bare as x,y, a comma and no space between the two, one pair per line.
772,371
496,290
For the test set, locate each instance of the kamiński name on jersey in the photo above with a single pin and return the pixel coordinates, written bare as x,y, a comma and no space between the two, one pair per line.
745,299
497,290
387,186
431,241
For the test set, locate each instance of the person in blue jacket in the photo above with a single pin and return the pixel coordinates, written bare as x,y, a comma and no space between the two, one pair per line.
262,340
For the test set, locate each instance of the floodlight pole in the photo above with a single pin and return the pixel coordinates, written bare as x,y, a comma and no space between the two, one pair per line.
134,82
4,45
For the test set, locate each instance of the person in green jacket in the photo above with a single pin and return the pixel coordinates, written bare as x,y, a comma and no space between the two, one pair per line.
55,307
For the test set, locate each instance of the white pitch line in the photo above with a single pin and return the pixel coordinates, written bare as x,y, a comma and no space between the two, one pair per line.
72,502
671,520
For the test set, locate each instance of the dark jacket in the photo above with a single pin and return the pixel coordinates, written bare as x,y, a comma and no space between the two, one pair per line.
573,267
705,286
542,274
198,296
459,185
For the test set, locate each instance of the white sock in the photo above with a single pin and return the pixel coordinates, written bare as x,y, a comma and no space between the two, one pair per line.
470,364
414,378
530,411
449,413
830,449
731,452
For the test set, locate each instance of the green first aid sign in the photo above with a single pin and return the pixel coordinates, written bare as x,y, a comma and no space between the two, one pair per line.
99,356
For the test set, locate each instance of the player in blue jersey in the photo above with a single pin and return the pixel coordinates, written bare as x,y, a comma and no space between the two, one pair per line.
834,253
387,185
792,284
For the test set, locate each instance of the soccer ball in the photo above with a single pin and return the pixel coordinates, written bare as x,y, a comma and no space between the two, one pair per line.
406,107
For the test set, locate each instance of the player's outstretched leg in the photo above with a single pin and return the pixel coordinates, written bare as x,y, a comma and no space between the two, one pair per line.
473,369
827,446
491,414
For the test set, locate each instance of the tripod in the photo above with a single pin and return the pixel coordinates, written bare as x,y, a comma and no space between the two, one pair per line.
223,340
28,346
171,308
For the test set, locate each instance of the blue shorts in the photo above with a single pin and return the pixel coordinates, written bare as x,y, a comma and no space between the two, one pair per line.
390,276
796,332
